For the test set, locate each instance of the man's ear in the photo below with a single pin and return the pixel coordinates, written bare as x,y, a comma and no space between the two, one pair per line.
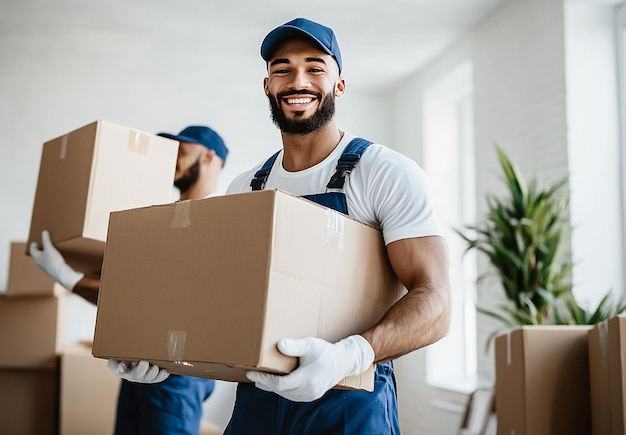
265,88
208,155
340,87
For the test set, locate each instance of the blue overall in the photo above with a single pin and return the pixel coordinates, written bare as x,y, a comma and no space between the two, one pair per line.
338,411
173,406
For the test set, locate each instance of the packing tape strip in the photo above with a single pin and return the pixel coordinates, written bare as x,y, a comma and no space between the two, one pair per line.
138,142
176,345
334,229
181,218
509,351
63,150
603,332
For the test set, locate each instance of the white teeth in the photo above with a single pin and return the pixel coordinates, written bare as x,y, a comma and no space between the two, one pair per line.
299,100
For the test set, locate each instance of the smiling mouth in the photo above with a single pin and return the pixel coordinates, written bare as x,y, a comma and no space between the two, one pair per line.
299,100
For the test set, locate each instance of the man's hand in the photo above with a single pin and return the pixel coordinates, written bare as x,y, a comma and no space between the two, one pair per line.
142,371
53,264
322,366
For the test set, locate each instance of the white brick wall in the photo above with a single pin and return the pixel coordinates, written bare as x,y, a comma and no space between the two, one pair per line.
520,104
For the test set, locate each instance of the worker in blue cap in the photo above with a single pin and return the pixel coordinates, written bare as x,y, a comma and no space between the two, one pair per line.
370,183
173,405
201,157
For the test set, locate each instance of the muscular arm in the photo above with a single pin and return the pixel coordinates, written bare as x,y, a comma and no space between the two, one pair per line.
88,288
422,316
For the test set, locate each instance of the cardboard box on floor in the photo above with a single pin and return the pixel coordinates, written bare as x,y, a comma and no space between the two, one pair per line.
29,402
88,393
542,381
207,287
25,277
607,370
31,330
91,171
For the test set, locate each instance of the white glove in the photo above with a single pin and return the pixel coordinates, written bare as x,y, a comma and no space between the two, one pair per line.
52,262
322,366
142,371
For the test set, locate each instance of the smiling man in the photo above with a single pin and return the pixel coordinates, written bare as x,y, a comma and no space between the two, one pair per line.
374,185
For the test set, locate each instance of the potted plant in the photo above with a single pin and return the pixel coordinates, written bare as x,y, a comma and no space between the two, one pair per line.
523,237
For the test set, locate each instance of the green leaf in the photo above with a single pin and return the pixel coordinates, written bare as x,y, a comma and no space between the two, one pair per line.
521,235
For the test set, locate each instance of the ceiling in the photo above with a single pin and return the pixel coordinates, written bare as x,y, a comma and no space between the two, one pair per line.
384,40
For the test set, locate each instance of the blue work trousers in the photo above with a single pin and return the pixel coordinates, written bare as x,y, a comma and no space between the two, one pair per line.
171,407
338,412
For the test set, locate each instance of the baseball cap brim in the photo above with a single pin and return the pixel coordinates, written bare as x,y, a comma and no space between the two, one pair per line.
179,138
276,37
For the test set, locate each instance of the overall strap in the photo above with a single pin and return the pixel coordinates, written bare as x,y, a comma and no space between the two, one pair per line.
260,177
348,160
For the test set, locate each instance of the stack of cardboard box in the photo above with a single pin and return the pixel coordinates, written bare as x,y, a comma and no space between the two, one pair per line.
49,387
88,392
30,342
542,381
562,379
607,364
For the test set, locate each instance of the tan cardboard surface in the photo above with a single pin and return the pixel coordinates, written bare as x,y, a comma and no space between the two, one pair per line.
31,330
25,277
607,368
29,402
91,171
542,381
88,393
211,285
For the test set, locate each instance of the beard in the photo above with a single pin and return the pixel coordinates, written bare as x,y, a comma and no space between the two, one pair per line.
189,178
302,126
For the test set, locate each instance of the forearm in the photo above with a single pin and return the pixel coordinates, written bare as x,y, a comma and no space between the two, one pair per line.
88,288
422,316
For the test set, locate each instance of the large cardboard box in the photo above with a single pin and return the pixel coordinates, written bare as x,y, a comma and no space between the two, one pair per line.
25,277
207,287
88,393
31,330
29,402
91,171
607,370
542,381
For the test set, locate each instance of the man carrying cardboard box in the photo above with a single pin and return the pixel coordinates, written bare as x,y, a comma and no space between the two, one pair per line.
151,402
373,184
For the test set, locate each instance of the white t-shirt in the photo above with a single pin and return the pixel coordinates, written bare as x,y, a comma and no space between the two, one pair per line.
386,189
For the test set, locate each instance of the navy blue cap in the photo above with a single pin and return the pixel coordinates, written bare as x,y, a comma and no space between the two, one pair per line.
203,136
323,36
